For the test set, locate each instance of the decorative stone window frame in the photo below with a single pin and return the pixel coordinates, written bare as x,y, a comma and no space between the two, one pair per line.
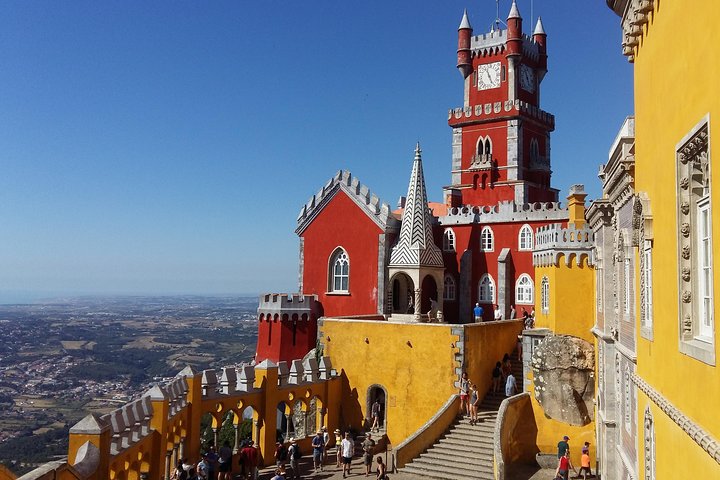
545,295
643,239
487,294
627,401
525,290
525,238
449,289
487,239
337,256
649,447
693,187
449,240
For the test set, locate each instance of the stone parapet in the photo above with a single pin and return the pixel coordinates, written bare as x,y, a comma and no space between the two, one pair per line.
552,241
504,212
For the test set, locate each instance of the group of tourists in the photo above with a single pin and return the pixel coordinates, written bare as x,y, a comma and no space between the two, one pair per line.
565,465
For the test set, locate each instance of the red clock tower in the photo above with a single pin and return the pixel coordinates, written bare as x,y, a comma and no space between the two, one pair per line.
501,138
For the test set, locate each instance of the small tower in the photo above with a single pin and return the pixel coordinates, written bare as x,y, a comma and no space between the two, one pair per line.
416,265
540,38
464,59
287,326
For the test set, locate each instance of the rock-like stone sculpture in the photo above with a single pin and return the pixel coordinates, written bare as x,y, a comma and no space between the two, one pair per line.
563,376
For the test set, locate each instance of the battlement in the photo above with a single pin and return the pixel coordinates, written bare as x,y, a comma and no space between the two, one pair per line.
552,241
505,212
378,211
460,115
279,303
488,43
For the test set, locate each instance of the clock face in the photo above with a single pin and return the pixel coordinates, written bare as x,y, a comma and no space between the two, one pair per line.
489,76
527,78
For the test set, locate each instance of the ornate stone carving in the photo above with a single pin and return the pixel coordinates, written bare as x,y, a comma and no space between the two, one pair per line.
685,252
685,274
686,297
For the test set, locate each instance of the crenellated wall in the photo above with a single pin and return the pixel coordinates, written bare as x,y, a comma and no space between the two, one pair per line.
146,437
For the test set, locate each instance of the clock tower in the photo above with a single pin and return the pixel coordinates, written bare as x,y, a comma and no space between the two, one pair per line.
501,137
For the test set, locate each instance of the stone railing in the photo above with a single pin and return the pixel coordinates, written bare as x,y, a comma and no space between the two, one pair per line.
145,437
554,240
428,434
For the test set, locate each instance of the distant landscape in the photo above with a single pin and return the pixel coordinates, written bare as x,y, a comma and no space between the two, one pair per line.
62,359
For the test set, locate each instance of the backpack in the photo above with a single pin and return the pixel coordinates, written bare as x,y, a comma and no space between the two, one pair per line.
296,452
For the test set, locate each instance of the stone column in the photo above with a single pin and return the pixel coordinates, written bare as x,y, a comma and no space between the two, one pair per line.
215,437
168,461
321,412
237,437
176,457
288,420
418,301
305,422
181,449
256,435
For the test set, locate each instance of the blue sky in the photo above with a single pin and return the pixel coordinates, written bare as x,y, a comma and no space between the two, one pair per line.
167,147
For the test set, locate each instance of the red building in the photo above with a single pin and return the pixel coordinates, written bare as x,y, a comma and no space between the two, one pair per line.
357,257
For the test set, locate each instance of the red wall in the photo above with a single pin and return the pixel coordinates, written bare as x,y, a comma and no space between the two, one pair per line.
342,223
275,338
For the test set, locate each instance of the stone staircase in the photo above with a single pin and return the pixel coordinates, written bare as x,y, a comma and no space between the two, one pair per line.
465,451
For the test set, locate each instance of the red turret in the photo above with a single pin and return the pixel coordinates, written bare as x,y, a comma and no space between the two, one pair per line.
540,38
464,60
514,35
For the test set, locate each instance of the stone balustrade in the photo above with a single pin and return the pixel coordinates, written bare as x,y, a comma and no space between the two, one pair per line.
554,241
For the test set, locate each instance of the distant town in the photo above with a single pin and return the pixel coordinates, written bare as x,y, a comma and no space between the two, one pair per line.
61,359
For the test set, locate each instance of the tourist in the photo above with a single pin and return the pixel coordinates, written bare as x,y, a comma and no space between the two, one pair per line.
478,312
464,390
510,386
563,446
295,456
212,458
474,400
564,466
381,469
317,444
348,448
250,460
326,444
496,374
179,473
506,368
281,454
498,313
203,468
224,461
585,462
375,416
338,450
368,446
278,475
512,311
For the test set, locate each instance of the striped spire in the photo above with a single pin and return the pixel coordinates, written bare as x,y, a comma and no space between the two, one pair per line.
415,245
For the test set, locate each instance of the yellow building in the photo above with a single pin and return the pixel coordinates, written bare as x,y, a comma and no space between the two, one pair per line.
673,46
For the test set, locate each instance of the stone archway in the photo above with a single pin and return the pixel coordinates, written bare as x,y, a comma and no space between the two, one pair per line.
403,294
376,392
429,294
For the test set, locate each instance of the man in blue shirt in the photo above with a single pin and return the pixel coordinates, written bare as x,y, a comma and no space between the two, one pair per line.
478,311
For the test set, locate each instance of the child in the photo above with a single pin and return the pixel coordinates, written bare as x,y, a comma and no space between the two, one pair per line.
585,462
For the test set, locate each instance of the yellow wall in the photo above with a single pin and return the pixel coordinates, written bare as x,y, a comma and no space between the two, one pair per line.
572,301
420,377
676,84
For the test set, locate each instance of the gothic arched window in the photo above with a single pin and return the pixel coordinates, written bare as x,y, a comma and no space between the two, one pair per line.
449,240
487,241
545,295
524,289
525,238
486,289
449,288
339,271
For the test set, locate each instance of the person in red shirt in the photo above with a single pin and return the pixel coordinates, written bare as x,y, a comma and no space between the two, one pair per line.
250,457
564,466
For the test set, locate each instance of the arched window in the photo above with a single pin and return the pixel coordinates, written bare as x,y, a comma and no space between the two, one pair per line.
484,147
487,241
486,289
545,295
449,240
524,289
525,238
488,147
534,150
449,288
339,271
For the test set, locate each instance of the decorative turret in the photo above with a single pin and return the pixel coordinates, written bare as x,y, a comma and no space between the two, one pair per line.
540,39
514,36
464,59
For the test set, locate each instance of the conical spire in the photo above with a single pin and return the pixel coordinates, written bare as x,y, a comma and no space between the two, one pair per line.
539,29
465,22
415,245
514,12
